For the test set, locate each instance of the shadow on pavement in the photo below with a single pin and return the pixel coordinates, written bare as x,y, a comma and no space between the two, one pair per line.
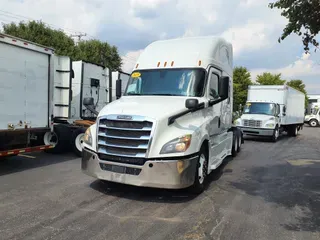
15,164
265,139
154,194
294,187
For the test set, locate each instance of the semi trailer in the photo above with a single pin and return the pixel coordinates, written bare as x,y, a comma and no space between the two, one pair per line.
173,124
41,95
271,110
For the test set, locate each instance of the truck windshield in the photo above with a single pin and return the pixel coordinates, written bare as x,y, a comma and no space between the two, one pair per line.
260,108
167,82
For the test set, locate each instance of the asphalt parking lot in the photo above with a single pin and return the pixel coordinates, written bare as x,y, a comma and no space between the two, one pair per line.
270,191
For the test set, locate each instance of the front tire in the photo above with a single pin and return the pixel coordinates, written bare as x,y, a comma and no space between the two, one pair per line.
313,123
275,135
201,172
77,140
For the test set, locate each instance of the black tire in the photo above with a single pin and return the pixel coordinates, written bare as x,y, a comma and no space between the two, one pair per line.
275,135
63,135
293,131
239,141
198,186
313,123
235,144
74,136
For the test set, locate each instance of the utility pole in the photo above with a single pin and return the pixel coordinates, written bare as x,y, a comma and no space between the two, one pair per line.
79,36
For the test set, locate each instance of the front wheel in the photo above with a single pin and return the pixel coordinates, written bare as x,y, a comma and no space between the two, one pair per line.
275,135
313,123
77,141
201,172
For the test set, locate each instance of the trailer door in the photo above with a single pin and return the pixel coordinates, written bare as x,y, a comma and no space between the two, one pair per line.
24,89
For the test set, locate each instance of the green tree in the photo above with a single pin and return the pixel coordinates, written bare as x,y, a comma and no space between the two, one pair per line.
270,79
241,81
99,52
93,51
303,17
300,86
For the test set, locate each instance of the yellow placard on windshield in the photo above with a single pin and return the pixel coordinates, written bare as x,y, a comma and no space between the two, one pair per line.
135,74
248,104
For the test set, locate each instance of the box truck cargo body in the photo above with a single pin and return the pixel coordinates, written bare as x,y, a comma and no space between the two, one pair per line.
26,90
43,98
270,110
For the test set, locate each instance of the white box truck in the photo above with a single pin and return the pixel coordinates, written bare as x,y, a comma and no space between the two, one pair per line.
173,124
271,110
27,71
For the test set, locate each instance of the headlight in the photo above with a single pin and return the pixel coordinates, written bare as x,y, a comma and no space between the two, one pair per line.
270,125
238,122
180,144
87,138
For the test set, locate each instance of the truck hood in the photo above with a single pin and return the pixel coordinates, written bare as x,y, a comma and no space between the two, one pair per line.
156,107
261,117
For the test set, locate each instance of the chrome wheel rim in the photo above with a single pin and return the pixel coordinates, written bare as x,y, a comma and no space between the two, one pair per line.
79,141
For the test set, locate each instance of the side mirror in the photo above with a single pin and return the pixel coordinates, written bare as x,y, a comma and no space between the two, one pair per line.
118,88
192,103
89,101
224,87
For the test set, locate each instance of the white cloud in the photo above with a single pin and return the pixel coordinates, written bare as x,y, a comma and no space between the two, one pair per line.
131,25
129,60
302,67
249,37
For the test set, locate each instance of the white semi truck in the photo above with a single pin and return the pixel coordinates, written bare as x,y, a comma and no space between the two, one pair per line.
41,96
173,125
271,110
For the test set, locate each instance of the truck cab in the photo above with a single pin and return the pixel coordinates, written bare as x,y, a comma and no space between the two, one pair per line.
313,118
173,124
271,110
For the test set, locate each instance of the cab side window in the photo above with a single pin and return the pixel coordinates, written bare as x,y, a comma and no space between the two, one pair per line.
213,87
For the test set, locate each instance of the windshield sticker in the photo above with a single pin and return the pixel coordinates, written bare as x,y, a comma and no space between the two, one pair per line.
135,74
248,104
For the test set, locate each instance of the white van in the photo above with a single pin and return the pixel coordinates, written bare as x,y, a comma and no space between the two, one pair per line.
173,125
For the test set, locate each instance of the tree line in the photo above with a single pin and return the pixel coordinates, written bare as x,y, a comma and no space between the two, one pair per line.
94,51
242,79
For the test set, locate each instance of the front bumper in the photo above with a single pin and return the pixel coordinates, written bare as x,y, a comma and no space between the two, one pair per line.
172,174
257,131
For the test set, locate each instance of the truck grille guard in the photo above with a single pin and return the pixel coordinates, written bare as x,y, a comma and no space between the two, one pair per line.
124,138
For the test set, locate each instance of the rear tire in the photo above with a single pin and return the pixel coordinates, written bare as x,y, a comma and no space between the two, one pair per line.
60,137
293,131
201,172
239,141
76,141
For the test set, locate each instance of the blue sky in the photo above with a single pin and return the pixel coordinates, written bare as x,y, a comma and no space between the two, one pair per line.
131,25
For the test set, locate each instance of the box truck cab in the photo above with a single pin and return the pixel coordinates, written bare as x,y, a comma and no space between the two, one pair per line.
173,125
313,118
270,110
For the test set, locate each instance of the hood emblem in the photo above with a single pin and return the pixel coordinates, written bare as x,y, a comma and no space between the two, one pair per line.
124,117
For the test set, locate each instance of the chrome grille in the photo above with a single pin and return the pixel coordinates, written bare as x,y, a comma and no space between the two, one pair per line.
252,123
124,141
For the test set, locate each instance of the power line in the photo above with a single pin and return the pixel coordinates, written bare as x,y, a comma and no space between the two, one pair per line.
20,17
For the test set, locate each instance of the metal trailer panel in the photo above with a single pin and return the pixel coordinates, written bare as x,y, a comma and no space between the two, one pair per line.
295,107
265,93
24,87
84,72
62,87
